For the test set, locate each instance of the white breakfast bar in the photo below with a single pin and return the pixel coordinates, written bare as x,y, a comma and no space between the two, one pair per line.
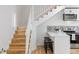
61,42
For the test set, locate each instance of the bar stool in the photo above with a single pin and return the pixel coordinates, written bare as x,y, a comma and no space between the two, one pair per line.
48,43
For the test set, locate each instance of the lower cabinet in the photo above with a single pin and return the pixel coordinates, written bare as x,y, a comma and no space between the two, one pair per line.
77,38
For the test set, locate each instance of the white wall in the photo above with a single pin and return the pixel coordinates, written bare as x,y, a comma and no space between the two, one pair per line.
6,25
55,20
22,14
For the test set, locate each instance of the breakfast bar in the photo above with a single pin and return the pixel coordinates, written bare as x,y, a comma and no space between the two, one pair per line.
61,42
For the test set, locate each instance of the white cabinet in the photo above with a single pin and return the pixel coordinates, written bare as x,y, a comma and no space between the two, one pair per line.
70,11
61,42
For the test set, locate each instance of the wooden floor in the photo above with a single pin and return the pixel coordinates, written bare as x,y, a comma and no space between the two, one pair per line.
40,50
74,51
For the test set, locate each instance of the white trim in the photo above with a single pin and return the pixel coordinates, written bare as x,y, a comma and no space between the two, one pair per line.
14,20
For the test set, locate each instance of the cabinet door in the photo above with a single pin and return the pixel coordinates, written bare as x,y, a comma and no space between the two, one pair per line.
77,38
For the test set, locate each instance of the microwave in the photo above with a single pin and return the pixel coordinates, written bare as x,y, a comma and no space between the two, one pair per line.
69,17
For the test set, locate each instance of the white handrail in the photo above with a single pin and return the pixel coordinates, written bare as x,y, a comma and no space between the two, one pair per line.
39,11
28,33
29,43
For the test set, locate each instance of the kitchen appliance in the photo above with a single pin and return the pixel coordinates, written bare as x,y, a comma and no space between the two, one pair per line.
74,38
69,17
70,14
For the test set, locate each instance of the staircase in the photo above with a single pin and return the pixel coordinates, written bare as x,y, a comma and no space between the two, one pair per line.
17,45
48,14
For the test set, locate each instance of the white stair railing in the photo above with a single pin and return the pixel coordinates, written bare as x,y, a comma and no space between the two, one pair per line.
43,17
28,34
40,10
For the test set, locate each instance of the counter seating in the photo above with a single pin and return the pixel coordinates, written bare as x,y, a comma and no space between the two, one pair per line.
48,44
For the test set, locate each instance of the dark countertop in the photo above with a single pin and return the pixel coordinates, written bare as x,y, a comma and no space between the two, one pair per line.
71,32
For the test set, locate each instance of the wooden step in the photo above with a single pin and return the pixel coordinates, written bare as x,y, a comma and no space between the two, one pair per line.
18,40
21,47
17,44
16,51
21,27
19,36
20,30
19,33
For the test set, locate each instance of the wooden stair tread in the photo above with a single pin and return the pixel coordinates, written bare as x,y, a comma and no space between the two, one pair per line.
20,33
15,52
18,41
17,45
21,27
21,49
19,36
16,49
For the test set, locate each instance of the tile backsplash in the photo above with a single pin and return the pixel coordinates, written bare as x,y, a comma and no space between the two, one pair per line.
63,28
